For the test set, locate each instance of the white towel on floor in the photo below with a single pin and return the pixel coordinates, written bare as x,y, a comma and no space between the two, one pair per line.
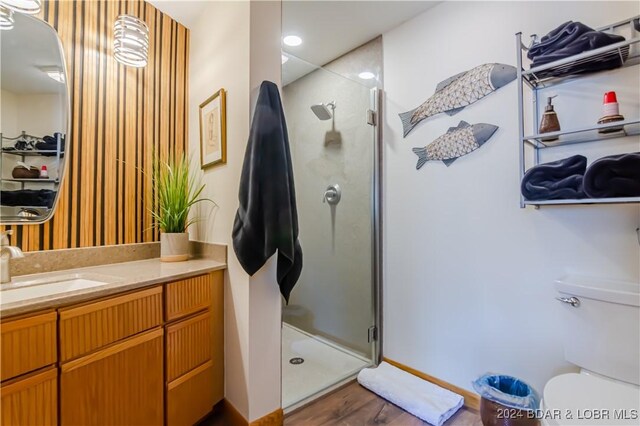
423,399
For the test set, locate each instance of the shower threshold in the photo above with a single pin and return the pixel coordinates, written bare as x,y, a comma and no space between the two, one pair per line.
313,366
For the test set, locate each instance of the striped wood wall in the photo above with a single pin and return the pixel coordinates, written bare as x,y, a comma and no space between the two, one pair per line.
120,116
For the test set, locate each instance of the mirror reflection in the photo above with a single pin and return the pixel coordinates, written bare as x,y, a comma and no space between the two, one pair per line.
33,122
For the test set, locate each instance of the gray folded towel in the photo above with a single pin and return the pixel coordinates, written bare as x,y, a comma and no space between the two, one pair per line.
614,176
557,180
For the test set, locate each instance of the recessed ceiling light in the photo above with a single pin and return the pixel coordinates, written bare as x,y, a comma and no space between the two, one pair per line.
284,59
366,75
292,40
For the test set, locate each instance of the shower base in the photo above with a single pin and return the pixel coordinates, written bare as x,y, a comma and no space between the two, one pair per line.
312,365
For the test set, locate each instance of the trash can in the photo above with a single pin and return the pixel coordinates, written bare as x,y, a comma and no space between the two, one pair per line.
506,401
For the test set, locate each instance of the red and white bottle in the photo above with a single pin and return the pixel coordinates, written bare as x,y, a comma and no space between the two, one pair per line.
610,105
44,173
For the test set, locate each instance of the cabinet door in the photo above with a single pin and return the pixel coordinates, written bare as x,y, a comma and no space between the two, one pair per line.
27,344
121,384
30,400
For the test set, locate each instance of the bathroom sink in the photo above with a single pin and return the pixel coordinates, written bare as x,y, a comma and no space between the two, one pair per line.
53,286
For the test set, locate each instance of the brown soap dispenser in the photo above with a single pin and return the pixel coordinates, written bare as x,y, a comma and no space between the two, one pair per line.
549,122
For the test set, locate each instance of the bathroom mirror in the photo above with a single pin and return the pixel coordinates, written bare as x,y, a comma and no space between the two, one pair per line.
34,120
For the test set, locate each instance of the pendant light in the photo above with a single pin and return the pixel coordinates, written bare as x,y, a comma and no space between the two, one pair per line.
6,18
131,41
30,7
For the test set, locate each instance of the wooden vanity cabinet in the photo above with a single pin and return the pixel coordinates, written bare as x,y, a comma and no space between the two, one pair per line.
31,399
194,350
148,357
119,385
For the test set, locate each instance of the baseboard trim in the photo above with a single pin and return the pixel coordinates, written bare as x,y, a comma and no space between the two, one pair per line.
471,400
275,418
233,417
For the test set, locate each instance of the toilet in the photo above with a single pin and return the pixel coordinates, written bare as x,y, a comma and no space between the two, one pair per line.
601,335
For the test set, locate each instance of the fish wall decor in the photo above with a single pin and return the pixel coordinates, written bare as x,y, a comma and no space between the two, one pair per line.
458,141
459,91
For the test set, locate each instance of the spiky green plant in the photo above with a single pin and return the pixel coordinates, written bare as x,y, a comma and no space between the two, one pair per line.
176,193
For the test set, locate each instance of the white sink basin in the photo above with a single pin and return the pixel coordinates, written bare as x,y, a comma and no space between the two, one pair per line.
47,287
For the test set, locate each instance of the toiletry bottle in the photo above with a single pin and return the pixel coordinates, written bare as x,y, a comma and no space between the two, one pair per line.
549,122
43,172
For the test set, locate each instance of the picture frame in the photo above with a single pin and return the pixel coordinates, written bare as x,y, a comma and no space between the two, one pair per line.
213,130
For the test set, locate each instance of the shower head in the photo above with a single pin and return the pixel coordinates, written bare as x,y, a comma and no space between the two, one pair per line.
324,111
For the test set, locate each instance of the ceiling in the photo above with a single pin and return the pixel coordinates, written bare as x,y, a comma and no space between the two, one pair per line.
26,49
185,12
329,29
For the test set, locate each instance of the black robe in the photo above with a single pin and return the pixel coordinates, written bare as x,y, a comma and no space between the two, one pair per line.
267,218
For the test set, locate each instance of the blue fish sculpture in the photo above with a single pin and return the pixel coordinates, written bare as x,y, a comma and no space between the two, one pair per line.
459,91
458,141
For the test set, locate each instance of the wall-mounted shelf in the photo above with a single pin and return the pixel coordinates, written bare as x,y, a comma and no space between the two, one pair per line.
583,201
32,153
557,72
587,134
30,180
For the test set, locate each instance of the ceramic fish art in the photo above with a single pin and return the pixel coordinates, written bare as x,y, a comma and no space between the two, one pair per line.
458,141
463,89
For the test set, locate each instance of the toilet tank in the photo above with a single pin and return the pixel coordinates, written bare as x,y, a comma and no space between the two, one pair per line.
602,333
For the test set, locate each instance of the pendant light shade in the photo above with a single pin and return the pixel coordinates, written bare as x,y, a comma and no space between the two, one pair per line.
30,7
131,41
6,18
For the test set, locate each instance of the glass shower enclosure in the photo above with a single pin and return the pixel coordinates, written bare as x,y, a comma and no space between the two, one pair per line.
329,330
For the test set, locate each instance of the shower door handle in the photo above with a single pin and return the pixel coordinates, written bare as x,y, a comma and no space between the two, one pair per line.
332,194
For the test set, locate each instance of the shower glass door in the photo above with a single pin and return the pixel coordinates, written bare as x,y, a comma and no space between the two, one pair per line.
328,325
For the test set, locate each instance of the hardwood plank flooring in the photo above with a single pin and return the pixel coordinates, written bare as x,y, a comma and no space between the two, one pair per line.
354,405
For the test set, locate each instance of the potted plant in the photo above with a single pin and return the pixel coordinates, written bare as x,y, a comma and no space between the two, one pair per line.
176,192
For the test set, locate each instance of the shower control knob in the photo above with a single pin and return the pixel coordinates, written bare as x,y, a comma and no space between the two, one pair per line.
332,194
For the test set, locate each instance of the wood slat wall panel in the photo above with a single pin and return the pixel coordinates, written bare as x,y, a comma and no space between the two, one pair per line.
38,333
119,117
32,400
89,327
188,345
187,296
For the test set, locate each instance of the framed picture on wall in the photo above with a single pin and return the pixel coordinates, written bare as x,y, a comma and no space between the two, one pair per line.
213,130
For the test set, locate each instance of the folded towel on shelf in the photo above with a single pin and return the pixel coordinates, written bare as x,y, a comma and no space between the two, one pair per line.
557,180
50,143
572,38
431,403
28,197
614,176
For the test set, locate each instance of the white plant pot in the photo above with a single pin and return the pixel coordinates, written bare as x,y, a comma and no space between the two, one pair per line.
174,247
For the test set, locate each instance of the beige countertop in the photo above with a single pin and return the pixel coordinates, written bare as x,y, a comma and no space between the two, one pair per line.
118,278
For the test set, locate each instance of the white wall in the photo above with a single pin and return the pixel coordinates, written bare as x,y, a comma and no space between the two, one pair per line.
223,55
468,274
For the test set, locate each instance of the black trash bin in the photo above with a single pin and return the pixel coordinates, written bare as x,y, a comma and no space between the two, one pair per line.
506,401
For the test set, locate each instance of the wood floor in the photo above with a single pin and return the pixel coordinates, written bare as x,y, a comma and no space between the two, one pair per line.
353,405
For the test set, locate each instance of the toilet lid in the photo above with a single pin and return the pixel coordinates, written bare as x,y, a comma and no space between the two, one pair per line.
582,394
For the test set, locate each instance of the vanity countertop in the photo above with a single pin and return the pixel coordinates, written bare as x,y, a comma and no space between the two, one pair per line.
116,278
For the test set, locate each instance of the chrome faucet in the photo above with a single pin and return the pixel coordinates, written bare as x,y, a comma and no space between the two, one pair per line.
7,252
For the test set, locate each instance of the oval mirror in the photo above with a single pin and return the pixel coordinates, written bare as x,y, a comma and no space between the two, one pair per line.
33,120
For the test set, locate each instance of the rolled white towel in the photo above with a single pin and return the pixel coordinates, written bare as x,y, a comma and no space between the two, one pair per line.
423,399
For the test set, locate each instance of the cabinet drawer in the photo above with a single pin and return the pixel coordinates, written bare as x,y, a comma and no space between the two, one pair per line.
121,384
31,400
89,327
27,344
185,297
188,345
191,397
